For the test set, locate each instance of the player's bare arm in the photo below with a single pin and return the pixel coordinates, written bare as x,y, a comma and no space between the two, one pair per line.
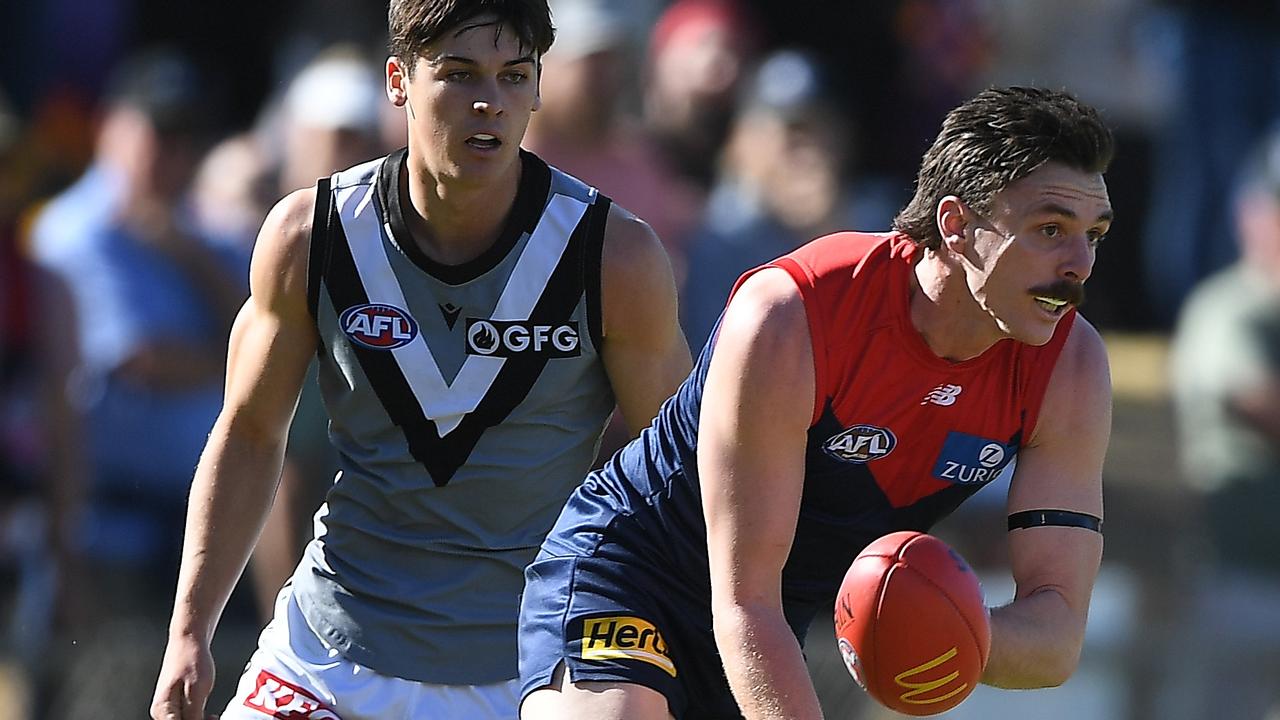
757,405
271,344
644,353
1036,640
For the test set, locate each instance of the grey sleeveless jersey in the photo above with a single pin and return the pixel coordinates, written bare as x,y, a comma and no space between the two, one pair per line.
465,403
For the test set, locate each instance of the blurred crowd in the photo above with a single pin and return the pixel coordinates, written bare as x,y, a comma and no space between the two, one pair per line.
142,143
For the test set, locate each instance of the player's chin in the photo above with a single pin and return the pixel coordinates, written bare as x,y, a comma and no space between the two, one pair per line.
1037,331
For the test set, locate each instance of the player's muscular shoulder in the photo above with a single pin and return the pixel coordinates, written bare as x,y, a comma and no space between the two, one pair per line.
768,307
1079,393
1083,363
630,246
635,270
279,269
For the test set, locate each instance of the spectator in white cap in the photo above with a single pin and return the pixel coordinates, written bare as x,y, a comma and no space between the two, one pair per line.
330,117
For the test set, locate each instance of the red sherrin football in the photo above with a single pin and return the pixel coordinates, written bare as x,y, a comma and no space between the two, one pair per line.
912,624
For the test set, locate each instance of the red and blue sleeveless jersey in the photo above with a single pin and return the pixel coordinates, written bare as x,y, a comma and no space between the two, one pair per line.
899,437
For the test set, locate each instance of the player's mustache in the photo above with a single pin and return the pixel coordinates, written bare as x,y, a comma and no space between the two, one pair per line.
1072,292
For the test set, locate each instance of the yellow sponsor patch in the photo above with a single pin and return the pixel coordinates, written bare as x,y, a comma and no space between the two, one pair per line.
625,637
928,688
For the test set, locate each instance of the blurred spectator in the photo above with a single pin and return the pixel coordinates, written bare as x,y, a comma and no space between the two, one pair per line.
41,465
1226,381
945,47
329,117
784,181
1225,60
154,303
233,188
582,130
699,52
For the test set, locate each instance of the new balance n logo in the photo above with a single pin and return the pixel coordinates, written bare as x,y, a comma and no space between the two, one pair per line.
943,395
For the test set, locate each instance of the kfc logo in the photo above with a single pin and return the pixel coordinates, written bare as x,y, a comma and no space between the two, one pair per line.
278,698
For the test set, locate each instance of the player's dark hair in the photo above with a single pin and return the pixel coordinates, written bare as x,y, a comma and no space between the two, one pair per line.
998,137
414,24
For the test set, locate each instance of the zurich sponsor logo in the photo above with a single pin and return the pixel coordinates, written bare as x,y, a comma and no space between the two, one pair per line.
971,460
378,326
860,444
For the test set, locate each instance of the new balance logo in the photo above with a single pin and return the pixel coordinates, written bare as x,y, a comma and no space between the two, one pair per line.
943,395
277,698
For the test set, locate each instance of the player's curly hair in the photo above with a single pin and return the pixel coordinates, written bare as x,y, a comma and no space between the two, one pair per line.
995,139
414,24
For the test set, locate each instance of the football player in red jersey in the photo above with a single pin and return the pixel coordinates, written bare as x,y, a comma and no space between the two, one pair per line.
860,385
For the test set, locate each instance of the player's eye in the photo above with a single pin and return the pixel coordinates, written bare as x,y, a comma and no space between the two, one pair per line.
1051,230
1096,237
515,78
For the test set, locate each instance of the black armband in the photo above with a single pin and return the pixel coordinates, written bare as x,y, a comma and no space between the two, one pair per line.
1057,518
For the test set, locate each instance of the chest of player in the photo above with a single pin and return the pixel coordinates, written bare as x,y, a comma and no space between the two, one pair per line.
912,427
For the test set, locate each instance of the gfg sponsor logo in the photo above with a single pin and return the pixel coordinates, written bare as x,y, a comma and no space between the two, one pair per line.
378,326
625,637
508,338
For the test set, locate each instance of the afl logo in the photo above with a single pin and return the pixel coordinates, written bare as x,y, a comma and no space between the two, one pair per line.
378,327
860,444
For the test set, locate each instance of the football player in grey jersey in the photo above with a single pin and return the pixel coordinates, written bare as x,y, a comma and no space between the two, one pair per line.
477,315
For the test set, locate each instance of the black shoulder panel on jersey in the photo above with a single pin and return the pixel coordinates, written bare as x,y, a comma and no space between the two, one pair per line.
318,252
592,267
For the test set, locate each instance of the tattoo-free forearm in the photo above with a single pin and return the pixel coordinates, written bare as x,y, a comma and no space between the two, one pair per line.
1035,642
764,665
230,497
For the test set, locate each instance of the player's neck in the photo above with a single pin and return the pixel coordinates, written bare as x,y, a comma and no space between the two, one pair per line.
455,220
951,323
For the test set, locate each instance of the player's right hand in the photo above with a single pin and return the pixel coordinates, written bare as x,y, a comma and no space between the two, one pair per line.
186,679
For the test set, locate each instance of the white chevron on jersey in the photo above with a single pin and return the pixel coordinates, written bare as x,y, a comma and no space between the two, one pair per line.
447,403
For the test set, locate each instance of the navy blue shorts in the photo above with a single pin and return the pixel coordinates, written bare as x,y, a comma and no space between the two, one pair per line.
599,599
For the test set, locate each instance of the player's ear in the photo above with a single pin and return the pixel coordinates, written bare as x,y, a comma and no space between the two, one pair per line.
397,76
953,222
